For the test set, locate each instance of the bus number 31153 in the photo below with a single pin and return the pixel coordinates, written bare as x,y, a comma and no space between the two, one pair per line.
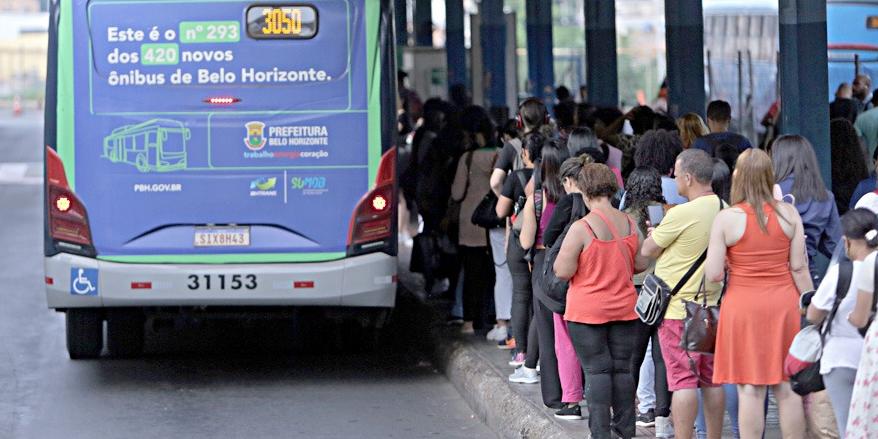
233,282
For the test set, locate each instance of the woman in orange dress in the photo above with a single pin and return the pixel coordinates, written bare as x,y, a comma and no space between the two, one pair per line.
763,243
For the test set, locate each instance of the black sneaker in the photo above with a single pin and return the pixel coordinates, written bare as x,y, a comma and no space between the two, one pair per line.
570,413
646,419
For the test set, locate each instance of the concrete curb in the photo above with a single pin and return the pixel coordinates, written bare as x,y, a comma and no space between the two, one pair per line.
486,389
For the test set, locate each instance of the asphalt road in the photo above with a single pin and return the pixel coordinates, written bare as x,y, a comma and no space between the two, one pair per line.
216,380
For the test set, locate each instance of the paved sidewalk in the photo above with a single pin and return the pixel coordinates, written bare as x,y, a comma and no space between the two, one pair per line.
479,371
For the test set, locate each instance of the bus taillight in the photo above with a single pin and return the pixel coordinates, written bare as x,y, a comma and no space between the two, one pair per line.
372,223
68,220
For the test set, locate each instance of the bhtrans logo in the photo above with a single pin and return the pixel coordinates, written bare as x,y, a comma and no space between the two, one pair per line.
263,187
255,139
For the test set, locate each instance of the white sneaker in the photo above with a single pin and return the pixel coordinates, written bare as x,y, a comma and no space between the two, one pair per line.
499,333
663,427
524,375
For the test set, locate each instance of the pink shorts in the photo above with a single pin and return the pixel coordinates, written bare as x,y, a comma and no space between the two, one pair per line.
682,365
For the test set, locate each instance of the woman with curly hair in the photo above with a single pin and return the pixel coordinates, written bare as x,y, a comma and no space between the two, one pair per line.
642,190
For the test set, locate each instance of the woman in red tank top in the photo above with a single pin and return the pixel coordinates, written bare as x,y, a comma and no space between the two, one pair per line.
600,255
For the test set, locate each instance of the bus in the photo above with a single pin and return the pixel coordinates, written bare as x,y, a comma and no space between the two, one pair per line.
156,145
216,159
741,43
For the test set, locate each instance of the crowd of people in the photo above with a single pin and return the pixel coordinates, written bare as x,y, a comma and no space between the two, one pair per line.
549,232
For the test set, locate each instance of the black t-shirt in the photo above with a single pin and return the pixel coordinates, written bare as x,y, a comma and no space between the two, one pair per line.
560,218
709,142
512,187
506,158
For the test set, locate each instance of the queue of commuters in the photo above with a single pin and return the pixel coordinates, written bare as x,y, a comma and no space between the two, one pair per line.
549,233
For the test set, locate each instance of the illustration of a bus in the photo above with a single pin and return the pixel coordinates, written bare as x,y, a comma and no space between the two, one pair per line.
156,145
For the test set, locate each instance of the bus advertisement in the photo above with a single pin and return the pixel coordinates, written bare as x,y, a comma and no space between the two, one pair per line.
226,155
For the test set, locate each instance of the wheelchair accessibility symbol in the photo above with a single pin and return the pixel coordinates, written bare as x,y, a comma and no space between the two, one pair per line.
83,281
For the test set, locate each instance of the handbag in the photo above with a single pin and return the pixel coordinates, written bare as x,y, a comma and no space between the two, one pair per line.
699,325
802,363
655,294
485,214
555,288
451,223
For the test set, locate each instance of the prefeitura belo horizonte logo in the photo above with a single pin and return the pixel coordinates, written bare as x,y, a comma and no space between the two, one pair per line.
255,139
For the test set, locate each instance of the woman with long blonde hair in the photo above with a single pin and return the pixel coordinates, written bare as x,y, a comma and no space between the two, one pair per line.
762,241
691,127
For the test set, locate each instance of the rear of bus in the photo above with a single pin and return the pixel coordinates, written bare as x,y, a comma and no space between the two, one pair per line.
225,156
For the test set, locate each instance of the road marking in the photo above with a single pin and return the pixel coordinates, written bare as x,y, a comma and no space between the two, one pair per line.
28,173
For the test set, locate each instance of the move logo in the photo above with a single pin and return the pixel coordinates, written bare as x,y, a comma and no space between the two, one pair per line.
263,187
255,139
310,185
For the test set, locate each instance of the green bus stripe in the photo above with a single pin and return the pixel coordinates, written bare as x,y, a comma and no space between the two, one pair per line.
65,108
373,66
242,258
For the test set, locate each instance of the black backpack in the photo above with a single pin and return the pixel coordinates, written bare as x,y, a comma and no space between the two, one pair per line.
555,289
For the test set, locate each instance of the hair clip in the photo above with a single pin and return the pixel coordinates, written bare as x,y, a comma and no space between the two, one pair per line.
872,234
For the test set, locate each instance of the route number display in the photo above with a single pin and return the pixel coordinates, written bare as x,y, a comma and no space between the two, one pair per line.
281,22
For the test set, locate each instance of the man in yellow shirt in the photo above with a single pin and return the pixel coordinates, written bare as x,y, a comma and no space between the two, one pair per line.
677,243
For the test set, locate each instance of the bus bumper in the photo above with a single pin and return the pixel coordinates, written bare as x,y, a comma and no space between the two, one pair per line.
363,281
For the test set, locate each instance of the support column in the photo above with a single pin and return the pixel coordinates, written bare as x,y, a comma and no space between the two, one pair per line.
540,59
601,74
455,49
423,25
803,76
401,27
684,36
493,34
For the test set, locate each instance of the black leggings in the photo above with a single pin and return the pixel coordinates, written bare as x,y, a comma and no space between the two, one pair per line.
645,333
605,353
522,304
544,321
478,283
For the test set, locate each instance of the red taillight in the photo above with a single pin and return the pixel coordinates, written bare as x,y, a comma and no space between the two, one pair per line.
221,100
68,220
372,222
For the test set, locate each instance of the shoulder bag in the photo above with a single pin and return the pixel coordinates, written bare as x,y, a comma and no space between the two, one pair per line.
655,294
802,363
700,323
554,288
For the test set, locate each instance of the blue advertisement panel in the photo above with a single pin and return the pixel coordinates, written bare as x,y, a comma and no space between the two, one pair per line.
233,123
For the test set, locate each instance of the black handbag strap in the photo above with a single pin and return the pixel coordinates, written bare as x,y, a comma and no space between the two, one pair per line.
845,273
469,164
695,265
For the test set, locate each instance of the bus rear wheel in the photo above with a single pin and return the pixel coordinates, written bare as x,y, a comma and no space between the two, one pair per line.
85,333
125,332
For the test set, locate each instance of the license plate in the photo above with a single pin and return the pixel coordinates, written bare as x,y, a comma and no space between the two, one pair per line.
222,236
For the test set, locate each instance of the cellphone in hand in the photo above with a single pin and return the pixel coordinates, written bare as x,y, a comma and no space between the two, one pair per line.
656,214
